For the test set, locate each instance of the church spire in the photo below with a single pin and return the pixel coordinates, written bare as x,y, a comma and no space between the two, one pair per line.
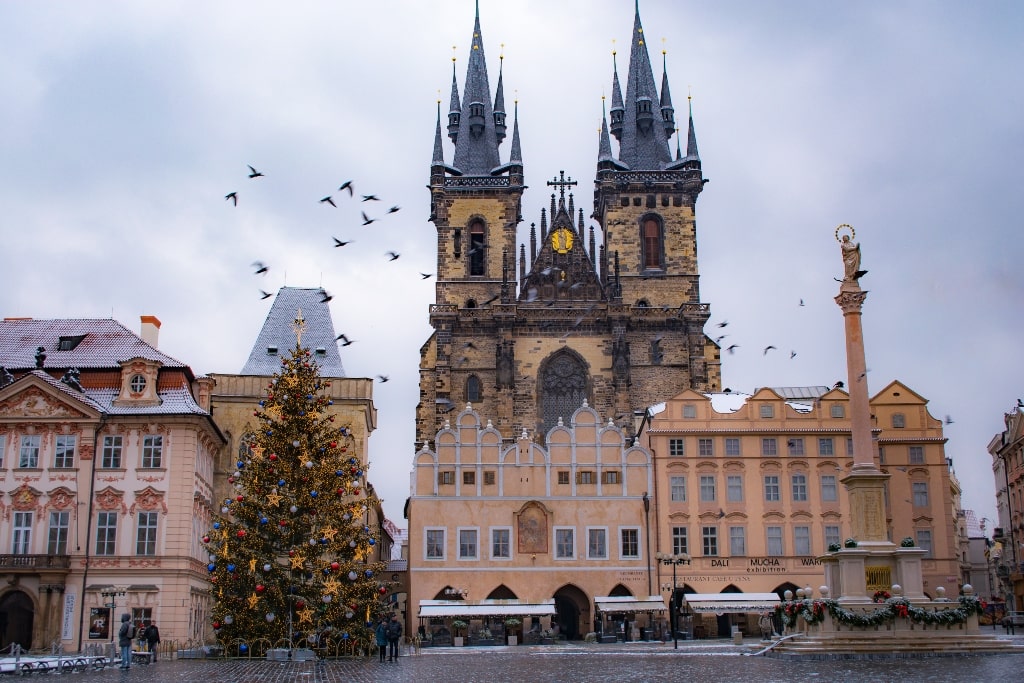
668,115
499,100
643,144
617,107
476,148
454,109
691,137
515,154
438,158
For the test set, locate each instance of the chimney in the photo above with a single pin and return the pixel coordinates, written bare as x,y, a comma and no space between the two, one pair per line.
150,329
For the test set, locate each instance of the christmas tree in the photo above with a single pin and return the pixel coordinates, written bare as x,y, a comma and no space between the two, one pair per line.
290,555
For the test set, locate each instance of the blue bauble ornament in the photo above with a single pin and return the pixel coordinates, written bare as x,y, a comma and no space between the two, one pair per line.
339,473
345,635
351,461
324,541
231,568
369,573
330,403
263,403
241,464
312,494
263,520
301,413
372,542
211,566
243,648
270,432
327,570
309,397
280,482
216,525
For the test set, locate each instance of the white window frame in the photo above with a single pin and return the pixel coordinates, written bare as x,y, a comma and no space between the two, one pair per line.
561,532
677,447
113,447
680,533
731,441
833,534
106,522
826,446
798,486
774,543
767,411
920,493
915,455
769,447
600,532
829,489
64,451
734,488
737,541
21,532
677,488
464,553
152,451
623,532
147,526
428,545
507,530
28,454
689,411
801,540
770,487
709,541
708,488
924,541
60,523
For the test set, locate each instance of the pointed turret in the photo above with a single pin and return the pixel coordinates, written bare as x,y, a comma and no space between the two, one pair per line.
618,108
515,157
476,149
438,158
454,109
499,103
643,145
668,114
691,138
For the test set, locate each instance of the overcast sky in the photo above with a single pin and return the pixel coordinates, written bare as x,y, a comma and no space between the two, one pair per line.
124,125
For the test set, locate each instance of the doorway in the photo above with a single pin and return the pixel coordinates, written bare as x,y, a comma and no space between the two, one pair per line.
16,619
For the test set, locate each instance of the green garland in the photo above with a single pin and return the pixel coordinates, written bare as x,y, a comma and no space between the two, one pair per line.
813,612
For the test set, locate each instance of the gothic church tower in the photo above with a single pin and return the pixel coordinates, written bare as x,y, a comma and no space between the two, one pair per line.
616,326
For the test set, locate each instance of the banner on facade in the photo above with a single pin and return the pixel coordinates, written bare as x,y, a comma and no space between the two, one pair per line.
68,627
99,623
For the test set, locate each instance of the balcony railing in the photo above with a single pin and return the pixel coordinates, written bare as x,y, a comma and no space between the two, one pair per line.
34,562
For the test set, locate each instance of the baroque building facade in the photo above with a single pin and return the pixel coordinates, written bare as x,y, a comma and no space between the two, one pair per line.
1007,553
107,450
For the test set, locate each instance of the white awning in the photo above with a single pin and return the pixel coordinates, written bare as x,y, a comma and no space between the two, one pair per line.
485,608
722,603
628,603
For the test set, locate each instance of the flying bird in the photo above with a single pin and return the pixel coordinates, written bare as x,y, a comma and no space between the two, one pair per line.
383,378
366,219
469,345
719,339
492,299
859,274
767,349
801,302
839,385
732,348
253,173
261,268
531,294
393,209
339,243
371,198
265,295
426,275
392,255
233,196
792,355
948,420
345,341
328,200
326,297
723,323
347,185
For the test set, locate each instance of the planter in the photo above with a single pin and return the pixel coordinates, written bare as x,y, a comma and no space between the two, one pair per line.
457,641
486,641
513,640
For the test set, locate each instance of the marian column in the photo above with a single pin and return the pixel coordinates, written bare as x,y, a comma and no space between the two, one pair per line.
866,483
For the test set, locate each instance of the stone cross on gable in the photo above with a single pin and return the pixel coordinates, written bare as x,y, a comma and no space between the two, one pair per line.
562,183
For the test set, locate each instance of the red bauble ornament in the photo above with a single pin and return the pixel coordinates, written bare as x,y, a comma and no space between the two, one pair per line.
206,539
300,604
334,444
341,492
216,624
312,512
334,566
355,492
291,553
284,522
382,590
231,480
273,456
260,588
241,533
240,498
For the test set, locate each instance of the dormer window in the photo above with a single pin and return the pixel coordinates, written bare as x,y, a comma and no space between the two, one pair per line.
137,384
476,118
321,351
69,343
272,350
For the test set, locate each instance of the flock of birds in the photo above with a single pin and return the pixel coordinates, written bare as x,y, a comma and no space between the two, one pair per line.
261,268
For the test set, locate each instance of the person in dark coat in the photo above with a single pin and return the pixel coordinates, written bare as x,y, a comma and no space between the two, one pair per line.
394,635
152,634
382,637
124,639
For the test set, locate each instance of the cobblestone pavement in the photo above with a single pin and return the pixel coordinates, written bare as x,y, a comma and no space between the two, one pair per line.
572,663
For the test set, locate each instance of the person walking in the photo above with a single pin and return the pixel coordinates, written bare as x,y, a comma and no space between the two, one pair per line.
394,635
124,639
382,637
152,634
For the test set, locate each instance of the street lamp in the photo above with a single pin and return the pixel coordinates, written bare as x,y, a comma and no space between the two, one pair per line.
674,561
112,593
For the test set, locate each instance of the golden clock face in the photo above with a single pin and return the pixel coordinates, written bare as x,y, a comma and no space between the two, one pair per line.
561,240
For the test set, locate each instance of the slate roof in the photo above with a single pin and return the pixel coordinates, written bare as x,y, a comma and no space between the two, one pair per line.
277,333
106,343
476,155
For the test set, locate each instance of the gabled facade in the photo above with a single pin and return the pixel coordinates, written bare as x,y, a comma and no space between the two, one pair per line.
751,486
106,480
1007,451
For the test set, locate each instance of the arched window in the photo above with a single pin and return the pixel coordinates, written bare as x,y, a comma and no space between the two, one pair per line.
650,233
473,389
476,248
563,388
